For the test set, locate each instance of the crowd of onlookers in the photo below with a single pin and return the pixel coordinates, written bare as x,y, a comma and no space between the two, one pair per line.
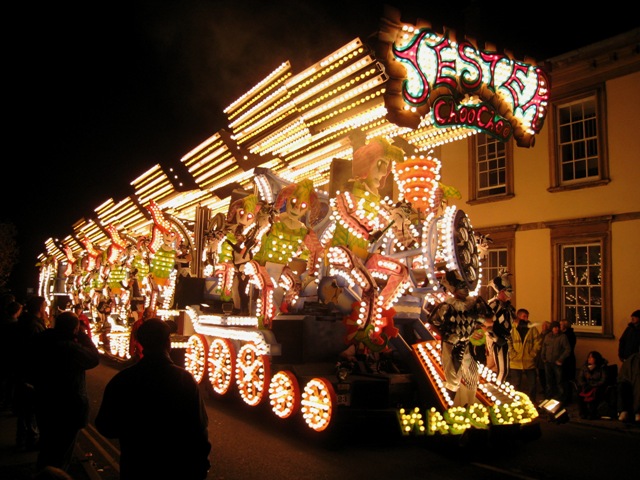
543,355
43,363
43,360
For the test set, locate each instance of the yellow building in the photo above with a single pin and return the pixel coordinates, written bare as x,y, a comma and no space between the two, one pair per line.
564,215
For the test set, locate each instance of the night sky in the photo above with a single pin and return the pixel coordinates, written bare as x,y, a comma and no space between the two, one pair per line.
98,94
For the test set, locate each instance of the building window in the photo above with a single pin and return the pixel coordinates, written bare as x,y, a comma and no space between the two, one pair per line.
579,151
492,265
581,289
491,167
582,274
499,258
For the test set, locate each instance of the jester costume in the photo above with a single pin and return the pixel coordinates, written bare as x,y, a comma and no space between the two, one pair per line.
456,320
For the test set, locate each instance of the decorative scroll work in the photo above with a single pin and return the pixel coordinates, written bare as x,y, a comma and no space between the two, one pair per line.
461,86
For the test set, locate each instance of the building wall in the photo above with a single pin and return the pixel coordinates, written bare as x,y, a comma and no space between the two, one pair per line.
533,206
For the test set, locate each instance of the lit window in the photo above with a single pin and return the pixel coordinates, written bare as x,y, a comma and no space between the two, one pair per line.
581,288
581,250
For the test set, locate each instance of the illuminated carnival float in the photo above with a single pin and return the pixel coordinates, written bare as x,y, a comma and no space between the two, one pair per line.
307,259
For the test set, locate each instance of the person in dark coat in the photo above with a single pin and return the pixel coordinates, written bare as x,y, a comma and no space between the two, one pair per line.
61,356
8,332
592,381
555,349
155,409
34,320
569,367
628,390
629,342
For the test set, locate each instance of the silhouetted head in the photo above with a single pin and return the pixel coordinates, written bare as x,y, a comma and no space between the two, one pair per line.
34,305
67,323
154,336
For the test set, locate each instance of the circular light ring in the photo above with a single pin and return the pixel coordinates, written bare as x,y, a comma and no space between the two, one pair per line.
195,358
221,361
284,394
317,404
252,373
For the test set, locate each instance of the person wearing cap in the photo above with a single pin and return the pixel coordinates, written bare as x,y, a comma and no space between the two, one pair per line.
524,346
555,350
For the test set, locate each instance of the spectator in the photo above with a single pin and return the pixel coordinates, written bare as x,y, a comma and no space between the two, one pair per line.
555,350
8,331
6,299
85,323
569,365
629,389
34,320
149,432
524,346
592,382
135,349
61,355
544,330
629,342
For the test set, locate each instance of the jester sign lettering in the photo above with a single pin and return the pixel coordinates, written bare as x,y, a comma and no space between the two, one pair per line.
461,85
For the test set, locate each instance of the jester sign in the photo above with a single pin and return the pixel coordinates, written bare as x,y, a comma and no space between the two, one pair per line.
434,78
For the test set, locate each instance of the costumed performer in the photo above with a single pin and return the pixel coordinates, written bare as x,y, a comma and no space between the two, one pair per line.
500,333
455,320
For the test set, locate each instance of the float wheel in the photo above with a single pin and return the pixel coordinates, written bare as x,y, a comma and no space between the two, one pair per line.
284,394
252,374
317,404
221,365
195,359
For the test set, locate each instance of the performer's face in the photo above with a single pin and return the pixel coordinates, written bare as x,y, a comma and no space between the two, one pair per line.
377,173
504,295
244,217
296,207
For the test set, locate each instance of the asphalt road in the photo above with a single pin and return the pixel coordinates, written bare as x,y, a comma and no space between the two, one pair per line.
251,443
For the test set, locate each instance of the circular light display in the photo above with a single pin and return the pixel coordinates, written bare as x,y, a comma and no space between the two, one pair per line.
284,394
318,399
252,373
221,364
195,358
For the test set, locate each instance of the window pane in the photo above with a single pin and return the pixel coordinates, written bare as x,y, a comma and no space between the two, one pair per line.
582,283
492,265
578,140
581,255
491,164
